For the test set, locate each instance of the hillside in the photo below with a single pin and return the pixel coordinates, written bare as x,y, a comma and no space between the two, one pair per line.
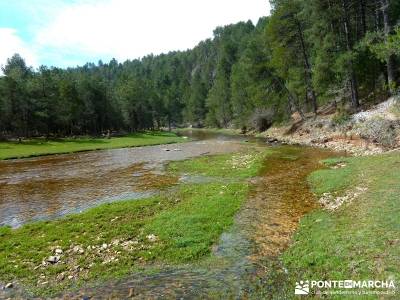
305,55
372,131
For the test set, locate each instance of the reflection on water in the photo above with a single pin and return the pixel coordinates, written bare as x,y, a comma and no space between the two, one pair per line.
51,186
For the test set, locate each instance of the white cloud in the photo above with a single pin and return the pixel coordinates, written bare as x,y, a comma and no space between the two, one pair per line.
11,43
132,28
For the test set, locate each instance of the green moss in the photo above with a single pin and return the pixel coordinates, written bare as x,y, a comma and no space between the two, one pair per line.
37,147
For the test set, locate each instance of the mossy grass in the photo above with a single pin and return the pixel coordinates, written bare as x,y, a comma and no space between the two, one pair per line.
360,240
41,146
175,227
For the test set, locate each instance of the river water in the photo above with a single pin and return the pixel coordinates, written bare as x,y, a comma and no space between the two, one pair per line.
246,259
46,187
243,259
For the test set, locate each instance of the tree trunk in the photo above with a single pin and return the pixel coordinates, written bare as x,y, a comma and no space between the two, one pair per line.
390,62
363,17
349,45
310,89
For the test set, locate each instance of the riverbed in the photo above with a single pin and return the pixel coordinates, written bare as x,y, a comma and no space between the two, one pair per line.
245,261
48,187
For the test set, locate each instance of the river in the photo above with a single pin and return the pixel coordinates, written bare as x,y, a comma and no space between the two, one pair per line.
49,187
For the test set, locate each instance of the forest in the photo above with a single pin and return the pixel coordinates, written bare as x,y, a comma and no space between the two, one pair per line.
305,55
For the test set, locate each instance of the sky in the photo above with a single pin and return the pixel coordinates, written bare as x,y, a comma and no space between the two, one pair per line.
67,33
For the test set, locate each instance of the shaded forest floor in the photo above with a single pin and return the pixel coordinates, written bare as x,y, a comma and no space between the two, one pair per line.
38,147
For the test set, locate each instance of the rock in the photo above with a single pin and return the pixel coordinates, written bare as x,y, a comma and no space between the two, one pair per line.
9,285
272,140
78,249
104,246
152,237
296,117
53,259
58,251
61,277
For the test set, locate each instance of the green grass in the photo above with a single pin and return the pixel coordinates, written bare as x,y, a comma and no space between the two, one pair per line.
185,222
37,147
241,165
360,240
226,131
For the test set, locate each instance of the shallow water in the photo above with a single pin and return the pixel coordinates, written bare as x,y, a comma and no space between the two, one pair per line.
279,197
51,186
243,258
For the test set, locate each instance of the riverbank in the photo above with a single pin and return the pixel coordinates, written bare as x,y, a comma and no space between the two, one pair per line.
355,235
369,132
110,241
40,147
167,241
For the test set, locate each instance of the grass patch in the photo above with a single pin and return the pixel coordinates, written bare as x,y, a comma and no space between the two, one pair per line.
240,165
360,240
172,228
37,147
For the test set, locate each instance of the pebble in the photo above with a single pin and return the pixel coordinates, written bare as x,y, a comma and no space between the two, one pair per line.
78,249
53,259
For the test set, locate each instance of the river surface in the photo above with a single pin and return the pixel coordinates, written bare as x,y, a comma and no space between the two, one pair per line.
47,187
245,262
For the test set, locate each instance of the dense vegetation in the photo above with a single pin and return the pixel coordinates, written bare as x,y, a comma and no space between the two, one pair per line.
307,53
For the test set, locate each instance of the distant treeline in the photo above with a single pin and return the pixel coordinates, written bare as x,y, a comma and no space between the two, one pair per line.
307,53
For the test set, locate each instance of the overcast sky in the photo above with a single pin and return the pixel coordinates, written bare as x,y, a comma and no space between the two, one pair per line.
72,32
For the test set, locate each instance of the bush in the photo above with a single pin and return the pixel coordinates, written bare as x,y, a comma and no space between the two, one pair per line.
262,119
341,118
